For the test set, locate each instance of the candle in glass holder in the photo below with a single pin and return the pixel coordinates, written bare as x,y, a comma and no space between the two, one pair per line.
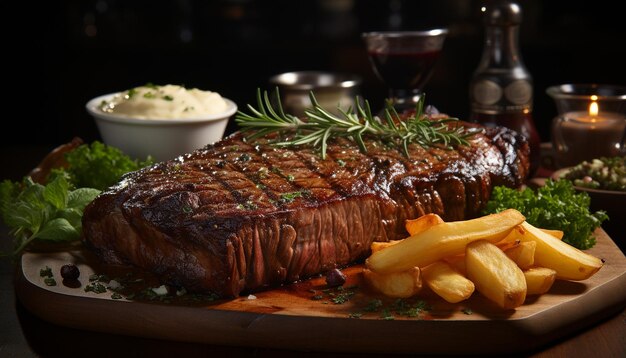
579,135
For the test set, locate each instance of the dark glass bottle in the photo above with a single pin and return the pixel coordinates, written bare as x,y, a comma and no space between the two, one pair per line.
501,89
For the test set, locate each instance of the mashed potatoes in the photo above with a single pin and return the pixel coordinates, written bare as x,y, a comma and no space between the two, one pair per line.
163,102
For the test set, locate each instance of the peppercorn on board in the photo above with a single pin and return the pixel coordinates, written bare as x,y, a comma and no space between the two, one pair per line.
310,316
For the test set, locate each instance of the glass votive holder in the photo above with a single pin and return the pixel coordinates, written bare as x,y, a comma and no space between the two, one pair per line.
591,122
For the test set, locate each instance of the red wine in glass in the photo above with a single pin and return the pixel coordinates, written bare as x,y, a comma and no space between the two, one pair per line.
404,70
404,61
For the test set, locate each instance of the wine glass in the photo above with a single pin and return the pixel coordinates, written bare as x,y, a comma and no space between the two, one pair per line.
404,61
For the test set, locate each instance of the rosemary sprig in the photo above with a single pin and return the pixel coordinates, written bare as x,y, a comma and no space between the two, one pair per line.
320,125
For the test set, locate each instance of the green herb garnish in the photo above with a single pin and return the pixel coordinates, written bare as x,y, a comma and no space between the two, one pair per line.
53,212
320,125
131,93
45,213
149,95
45,272
49,281
373,305
245,157
404,308
340,295
556,205
248,205
289,197
95,287
99,166
98,278
386,315
168,98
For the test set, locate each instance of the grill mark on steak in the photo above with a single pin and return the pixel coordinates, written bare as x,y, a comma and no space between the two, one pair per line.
256,171
187,219
329,172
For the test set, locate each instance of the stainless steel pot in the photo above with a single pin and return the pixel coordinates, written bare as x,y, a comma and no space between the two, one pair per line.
330,90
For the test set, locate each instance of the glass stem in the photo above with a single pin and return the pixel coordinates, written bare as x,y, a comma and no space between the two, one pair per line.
403,96
404,99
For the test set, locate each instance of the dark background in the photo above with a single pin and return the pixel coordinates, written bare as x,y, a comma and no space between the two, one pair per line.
64,53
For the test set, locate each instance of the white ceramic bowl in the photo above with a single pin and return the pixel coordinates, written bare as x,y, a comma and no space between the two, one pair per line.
160,138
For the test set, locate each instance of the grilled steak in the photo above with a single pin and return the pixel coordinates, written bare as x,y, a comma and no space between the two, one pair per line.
237,217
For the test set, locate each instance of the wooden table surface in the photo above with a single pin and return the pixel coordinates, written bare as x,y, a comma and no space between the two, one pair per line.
23,334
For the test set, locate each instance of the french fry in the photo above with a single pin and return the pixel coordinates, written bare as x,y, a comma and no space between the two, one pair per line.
398,284
457,262
523,254
446,282
377,246
568,262
495,275
441,240
539,280
415,226
516,235
512,239
556,233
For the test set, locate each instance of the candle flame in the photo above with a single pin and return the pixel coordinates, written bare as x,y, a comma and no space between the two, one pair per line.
593,109
594,97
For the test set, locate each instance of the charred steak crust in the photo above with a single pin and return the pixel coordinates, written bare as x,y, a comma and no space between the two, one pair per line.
238,217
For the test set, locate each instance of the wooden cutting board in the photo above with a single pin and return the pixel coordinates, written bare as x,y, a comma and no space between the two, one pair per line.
305,316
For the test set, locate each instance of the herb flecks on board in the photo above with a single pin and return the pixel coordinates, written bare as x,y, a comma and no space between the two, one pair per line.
320,125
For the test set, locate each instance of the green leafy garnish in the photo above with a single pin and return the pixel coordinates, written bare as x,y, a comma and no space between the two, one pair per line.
50,212
53,212
46,272
320,125
556,206
99,166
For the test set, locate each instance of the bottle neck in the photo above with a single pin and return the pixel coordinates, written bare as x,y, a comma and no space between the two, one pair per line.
501,48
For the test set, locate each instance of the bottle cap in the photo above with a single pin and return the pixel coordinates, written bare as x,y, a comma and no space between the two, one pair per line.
502,13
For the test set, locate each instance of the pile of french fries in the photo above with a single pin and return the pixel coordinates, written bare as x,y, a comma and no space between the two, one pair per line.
500,255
